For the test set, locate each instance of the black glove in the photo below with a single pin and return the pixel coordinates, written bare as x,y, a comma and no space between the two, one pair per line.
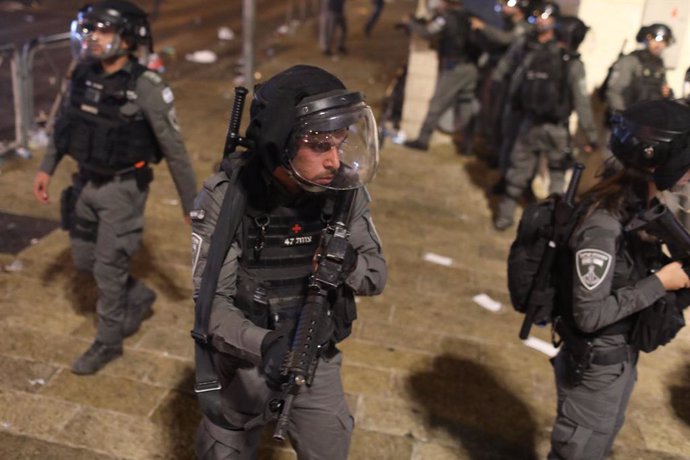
274,348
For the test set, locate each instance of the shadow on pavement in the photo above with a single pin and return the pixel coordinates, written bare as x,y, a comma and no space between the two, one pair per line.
179,414
680,396
461,397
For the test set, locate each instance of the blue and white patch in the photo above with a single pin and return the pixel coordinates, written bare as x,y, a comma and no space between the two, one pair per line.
196,250
592,267
167,95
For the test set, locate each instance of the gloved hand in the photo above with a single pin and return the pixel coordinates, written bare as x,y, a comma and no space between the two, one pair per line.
274,347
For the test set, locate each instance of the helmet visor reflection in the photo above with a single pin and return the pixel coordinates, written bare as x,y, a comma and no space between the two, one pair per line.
336,149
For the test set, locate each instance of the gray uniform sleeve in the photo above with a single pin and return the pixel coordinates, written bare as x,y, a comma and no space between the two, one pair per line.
581,100
498,36
595,303
156,101
506,65
622,75
52,158
369,277
231,331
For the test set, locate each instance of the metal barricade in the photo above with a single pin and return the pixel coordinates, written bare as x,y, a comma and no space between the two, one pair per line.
9,54
53,68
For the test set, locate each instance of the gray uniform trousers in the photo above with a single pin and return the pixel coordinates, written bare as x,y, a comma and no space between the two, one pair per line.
534,139
590,414
320,422
108,230
454,87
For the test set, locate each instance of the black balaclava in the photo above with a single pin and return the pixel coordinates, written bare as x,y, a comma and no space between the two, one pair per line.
272,113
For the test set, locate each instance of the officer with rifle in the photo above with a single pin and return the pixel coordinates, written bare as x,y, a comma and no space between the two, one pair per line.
618,293
117,119
282,241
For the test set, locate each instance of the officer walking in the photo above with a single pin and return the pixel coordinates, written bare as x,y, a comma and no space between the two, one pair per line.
623,295
552,85
312,139
118,118
457,72
641,75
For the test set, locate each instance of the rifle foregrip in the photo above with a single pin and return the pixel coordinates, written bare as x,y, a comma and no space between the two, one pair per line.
574,183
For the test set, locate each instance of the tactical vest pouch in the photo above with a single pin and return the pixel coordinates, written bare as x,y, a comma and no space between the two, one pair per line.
657,325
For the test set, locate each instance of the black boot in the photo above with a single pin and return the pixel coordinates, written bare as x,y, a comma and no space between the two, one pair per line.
137,313
98,355
416,144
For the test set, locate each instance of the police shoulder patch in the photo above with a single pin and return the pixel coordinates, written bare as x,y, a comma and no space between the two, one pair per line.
592,267
153,77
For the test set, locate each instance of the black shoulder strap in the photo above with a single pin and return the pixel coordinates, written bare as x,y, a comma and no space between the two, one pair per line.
207,385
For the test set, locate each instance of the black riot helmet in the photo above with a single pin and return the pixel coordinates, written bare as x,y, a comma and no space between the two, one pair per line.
545,10
654,135
305,107
570,31
526,6
126,20
657,32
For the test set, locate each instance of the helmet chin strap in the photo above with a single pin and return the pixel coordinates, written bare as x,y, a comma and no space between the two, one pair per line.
303,183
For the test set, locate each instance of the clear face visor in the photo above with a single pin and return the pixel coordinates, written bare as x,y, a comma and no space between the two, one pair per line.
94,39
335,149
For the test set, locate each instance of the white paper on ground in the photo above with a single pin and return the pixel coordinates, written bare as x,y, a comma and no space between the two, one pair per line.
540,345
437,259
487,302
202,57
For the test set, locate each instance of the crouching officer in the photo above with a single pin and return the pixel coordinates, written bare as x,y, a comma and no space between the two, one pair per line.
117,119
312,140
623,294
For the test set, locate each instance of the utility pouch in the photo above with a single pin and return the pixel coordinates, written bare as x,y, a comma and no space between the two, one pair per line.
68,202
143,176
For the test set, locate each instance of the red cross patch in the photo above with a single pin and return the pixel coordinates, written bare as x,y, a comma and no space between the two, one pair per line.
296,228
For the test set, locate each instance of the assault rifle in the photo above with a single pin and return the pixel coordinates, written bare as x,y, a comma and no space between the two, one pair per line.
564,209
659,221
300,363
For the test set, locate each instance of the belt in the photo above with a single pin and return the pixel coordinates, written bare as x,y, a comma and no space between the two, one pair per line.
102,176
615,356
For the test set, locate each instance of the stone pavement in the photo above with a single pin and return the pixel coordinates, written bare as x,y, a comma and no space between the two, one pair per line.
429,373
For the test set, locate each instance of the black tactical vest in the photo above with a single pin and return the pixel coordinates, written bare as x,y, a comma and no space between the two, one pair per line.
278,246
102,126
454,40
647,85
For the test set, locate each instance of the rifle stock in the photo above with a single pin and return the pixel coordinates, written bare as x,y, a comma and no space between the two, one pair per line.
563,211
302,359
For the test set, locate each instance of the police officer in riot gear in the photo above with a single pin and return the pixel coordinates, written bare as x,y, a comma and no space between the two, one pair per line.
547,103
457,72
641,75
117,119
617,274
311,139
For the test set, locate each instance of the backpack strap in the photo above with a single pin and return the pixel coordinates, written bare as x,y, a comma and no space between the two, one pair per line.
207,384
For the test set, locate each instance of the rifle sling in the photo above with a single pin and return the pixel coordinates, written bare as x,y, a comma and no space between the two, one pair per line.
207,385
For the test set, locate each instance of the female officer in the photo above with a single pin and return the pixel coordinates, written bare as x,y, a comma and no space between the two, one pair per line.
614,281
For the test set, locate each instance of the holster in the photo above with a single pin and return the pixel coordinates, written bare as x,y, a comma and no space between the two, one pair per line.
579,352
143,176
68,203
